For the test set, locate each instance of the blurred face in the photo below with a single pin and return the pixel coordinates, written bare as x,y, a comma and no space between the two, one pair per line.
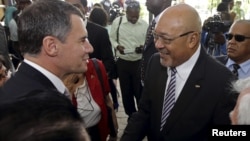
231,5
238,47
76,48
133,15
171,40
154,5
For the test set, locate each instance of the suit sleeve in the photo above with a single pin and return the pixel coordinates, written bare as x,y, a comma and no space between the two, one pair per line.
107,54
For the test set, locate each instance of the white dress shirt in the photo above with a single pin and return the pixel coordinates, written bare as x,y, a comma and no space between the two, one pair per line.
183,72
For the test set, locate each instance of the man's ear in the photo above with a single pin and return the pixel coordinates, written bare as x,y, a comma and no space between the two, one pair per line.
50,45
193,40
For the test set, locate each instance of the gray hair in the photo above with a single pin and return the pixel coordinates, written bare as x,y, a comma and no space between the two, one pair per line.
45,18
243,117
241,84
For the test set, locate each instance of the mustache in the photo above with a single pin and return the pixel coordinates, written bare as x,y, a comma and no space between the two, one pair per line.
163,51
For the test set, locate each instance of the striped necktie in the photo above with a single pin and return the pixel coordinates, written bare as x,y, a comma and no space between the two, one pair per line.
169,98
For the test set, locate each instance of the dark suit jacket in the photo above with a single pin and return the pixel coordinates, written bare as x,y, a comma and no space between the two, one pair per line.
25,80
148,52
204,101
99,38
222,59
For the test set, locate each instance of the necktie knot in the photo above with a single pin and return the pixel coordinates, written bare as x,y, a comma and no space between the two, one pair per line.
173,70
235,69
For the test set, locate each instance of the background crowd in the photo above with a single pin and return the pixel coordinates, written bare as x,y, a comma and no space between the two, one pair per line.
178,75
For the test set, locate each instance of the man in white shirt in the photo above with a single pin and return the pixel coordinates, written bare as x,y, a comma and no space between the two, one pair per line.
127,35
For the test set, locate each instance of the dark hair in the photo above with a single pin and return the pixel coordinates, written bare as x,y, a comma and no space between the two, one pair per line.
98,5
222,7
44,18
227,1
39,116
99,16
133,5
84,3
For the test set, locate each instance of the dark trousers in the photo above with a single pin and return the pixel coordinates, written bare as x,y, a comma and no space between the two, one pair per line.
129,79
94,133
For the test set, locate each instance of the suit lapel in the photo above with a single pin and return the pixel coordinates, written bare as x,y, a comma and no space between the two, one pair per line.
189,91
156,83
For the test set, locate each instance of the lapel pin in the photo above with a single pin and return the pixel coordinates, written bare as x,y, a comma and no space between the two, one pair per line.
197,86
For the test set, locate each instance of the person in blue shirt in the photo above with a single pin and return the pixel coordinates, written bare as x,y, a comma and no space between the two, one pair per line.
238,51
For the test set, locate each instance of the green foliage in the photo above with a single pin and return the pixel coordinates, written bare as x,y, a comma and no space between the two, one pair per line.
213,4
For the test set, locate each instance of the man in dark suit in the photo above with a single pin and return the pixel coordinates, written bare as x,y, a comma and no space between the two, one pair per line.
53,40
200,95
155,7
42,115
99,38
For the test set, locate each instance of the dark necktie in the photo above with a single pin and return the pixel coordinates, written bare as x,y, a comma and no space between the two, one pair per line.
149,35
169,98
235,69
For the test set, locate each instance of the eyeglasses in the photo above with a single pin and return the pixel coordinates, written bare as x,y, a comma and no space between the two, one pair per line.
238,38
166,40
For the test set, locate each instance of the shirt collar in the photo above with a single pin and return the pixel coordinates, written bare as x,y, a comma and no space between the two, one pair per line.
157,18
243,66
53,78
185,68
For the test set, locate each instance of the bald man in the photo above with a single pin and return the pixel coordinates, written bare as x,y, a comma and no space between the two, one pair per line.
238,50
199,94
